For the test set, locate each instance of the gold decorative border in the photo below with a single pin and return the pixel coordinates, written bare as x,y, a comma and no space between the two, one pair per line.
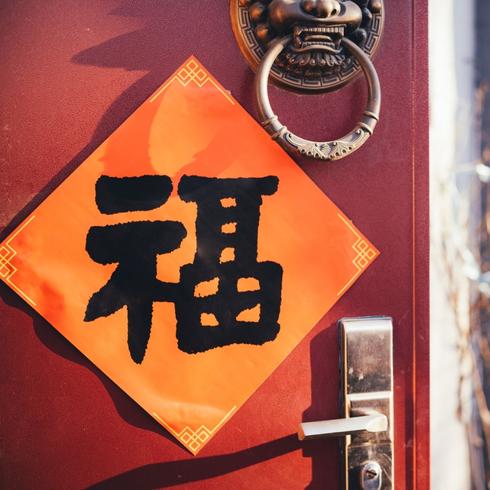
7,268
192,71
364,254
194,440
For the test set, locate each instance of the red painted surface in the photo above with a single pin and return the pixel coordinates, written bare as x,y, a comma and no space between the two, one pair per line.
71,73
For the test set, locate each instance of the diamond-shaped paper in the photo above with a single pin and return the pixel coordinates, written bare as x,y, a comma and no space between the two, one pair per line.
190,126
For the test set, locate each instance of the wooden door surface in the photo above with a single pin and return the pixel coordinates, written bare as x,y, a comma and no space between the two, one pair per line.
72,72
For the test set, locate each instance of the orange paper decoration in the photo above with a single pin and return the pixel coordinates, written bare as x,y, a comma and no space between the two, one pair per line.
190,126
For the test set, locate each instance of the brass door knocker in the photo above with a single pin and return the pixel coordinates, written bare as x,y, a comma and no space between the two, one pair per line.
311,46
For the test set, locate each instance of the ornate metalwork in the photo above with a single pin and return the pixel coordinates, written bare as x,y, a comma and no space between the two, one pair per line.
315,59
328,150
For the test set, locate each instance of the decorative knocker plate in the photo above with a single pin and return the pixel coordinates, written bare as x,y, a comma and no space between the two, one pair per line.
311,46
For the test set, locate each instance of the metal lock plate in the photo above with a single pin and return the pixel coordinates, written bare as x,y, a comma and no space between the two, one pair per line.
367,387
366,365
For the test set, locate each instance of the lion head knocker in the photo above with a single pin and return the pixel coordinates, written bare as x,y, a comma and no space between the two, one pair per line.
311,45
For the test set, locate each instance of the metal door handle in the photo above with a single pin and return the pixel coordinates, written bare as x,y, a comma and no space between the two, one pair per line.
366,365
311,46
321,150
343,427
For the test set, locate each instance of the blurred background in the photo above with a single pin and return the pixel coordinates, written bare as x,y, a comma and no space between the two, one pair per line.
459,44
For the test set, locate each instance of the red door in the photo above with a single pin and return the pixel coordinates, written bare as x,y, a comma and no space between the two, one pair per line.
72,74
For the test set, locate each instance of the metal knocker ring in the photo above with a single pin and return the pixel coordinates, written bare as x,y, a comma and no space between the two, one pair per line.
328,150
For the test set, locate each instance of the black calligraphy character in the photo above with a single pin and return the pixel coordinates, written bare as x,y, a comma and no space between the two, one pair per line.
134,246
226,296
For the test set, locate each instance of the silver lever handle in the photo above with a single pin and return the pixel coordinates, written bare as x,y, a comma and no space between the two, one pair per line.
342,427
